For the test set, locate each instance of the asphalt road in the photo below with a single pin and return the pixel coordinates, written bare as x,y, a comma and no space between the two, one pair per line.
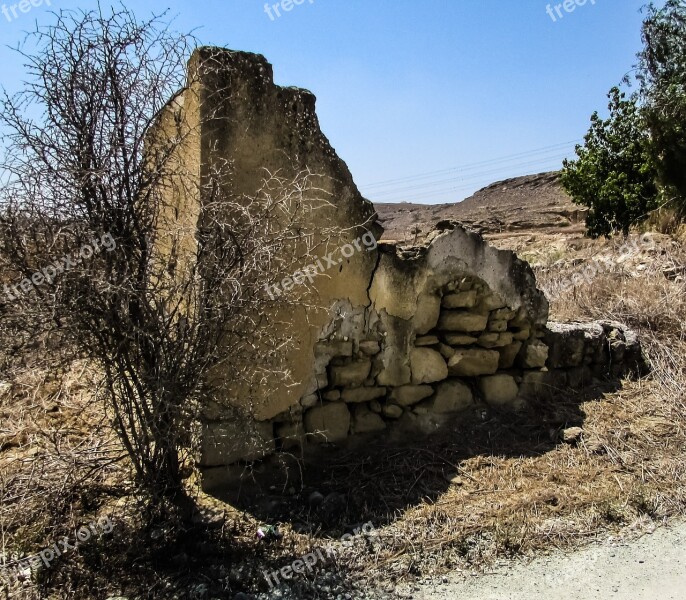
650,568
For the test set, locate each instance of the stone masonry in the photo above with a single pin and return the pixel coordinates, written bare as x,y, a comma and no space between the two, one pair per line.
452,327
407,336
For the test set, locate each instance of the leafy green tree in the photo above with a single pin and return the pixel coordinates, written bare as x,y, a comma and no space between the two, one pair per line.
615,174
662,75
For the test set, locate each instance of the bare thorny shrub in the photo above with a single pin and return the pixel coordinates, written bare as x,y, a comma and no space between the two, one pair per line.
162,300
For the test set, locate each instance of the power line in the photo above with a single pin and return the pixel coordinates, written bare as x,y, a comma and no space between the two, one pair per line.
548,159
484,178
469,166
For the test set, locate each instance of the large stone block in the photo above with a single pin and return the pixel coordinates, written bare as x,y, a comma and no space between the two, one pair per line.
473,362
365,394
498,390
327,423
228,442
451,396
354,373
460,300
408,395
566,345
534,355
455,339
427,366
366,421
609,347
462,321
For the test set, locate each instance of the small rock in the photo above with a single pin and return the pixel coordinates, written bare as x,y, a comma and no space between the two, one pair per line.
534,355
572,435
330,396
315,498
426,340
370,348
392,411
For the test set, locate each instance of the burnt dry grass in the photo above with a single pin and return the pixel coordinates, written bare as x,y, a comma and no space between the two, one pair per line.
499,485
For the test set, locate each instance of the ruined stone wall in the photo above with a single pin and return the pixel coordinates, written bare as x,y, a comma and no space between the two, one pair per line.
398,339
232,117
452,327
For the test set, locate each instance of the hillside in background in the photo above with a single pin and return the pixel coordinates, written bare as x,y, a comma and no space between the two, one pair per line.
522,204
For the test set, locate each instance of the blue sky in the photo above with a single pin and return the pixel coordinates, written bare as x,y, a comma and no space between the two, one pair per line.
426,100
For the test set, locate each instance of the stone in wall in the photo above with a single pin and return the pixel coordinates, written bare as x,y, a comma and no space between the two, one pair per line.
328,423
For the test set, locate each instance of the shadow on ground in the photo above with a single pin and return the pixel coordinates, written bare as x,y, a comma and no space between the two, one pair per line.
331,490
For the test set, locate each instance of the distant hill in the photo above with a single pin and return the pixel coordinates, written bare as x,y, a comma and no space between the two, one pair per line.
532,202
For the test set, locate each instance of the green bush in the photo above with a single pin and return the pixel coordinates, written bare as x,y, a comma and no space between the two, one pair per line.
615,174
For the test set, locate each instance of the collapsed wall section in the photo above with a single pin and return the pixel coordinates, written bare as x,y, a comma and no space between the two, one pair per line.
453,327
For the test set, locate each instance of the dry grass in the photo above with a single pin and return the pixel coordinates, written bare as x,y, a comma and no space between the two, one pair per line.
58,459
494,487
